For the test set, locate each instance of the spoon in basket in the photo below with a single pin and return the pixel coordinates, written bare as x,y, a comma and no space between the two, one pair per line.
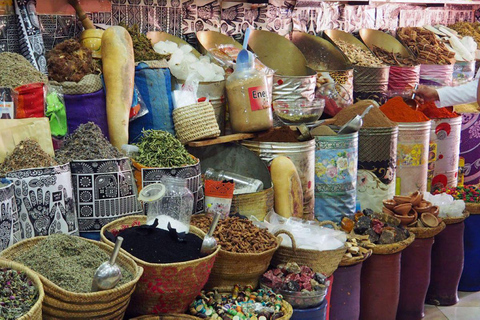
209,243
108,274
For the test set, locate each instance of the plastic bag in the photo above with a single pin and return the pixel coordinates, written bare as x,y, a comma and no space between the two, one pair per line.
138,109
7,107
187,95
56,111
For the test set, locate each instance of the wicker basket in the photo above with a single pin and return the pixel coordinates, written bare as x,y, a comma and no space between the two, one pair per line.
325,262
62,304
394,247
35,312
454,220
164,287
355,260
425,233
195,122
473,208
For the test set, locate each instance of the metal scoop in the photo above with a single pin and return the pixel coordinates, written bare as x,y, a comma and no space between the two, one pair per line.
411,102
108,274
209,243
355,124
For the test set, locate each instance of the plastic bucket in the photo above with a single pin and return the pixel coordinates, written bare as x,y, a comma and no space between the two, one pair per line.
345,301
215,92
370,83
192,173
317,313
377,156
470,147
463,72
336,160
436,75
403,78
104,191
9,223
445,134
302,155
470,280
412,157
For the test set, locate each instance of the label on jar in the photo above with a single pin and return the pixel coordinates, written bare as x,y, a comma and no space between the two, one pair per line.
259,98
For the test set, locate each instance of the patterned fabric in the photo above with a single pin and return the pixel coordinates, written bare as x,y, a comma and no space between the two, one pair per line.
470,147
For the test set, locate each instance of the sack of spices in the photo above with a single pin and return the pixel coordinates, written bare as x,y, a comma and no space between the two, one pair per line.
9,224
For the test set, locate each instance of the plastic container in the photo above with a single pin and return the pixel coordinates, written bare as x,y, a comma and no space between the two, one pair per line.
300,299
317,313
299,111
412,157
242,184
463,72
249,97
446,134
335,176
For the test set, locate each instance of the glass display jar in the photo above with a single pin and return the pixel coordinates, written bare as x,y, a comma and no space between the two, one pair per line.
242,184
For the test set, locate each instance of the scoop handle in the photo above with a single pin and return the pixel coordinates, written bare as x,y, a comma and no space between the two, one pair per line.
367,110
116,250
216,217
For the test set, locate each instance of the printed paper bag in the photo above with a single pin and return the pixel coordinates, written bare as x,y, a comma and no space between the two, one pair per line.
9,224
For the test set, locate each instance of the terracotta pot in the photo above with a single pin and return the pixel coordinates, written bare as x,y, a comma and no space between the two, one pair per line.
414,279
345,300
447,266
380,287
470,280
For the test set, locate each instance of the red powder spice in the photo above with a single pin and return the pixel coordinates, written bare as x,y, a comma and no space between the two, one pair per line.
397,110
431,111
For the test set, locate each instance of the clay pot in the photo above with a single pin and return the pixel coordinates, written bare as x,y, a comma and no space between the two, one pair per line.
424,206
406,220
345,300
447,266
414,279
388,211
435,210
429,220
402,209
416,198
389,204
402,199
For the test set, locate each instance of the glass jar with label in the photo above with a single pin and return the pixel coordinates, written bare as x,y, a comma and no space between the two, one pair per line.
249,98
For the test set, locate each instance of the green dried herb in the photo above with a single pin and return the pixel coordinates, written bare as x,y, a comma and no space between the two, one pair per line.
292,118
17,294
142,46
16,71
161,149
68,261
27,154
87,143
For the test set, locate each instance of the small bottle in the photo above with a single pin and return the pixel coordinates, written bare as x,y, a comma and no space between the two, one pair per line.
249,96
242,184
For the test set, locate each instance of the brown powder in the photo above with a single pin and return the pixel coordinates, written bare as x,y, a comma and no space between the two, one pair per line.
374,119
281,134
323,131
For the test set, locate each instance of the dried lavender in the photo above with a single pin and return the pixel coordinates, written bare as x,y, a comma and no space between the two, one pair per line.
27,154
68,261
17,294
16,71
87,143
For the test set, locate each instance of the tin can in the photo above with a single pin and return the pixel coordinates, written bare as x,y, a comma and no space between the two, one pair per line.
370,83
294,87
403,78
436,75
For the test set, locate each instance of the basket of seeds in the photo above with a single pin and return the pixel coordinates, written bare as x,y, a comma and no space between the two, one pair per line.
22,292
66,265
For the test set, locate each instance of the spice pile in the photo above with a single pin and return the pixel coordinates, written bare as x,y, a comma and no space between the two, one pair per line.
16,71
143,242
237,235
359,56
142,46
374,118
469,194
467,29
161,149
426,46
17,294
394,59
239,305
87,142
27,154
378,230
279,134
68,261
70,61
430,110
397,110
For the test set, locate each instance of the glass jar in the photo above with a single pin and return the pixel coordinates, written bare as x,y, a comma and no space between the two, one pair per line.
242,184
249,98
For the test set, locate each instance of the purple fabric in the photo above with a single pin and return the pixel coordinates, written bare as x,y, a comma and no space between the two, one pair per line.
82,108
470,147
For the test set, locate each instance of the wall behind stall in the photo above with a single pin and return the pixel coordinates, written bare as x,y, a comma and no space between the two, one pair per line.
185,17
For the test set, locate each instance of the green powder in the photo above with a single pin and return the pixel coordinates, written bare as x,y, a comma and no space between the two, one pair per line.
68,261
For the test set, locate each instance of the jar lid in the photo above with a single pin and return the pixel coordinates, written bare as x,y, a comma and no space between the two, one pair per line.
152,192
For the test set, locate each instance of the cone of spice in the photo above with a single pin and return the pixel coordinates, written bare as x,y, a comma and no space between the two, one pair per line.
430,110
397,110
374,119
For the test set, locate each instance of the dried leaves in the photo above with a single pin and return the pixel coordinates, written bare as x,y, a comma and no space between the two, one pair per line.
359,56
142,46
16,71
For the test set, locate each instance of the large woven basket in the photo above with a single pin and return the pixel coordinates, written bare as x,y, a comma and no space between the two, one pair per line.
394,247
62,304
35,312
195,122
473,208
425,233
325,262
454,220
164,287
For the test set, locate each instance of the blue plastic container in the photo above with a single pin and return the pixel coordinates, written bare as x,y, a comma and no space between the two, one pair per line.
317,313
90,235
470,280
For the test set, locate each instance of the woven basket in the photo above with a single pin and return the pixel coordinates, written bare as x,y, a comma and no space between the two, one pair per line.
35,312
473,208
454,220
425,233
195,122
164,287
355,260
325,262
394,247
62,304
